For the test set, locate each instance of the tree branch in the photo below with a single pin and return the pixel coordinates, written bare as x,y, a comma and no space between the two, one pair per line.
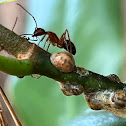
16,67
31,59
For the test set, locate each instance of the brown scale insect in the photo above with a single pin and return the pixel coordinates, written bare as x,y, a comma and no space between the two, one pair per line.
119,99
61,42
63,61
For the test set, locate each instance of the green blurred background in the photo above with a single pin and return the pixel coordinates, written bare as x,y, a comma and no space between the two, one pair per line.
96,28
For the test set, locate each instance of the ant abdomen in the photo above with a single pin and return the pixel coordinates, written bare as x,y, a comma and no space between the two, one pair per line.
69,46
39,32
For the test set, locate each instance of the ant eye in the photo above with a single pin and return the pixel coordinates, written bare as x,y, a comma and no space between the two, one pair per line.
69,46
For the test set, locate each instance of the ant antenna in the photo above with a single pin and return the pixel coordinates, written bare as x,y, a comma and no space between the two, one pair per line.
28,13
15,23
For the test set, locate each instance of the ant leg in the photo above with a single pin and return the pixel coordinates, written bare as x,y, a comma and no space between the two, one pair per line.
45,42
63,40
48,46
25,34
66,31
64,35
38,38
35,77
15,23
41,39
67,46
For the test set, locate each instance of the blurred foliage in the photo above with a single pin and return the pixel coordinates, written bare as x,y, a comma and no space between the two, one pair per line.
97,118
96,29
5,1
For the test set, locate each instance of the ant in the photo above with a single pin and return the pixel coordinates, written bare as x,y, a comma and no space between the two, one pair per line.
52,37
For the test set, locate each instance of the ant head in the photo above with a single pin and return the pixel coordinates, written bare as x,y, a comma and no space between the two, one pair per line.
38,32
69,46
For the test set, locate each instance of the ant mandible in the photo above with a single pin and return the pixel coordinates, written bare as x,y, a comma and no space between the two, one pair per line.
52,37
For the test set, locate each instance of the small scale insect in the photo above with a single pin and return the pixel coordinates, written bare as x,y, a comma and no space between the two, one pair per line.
114,78
52,37
119,99
71,88
63,61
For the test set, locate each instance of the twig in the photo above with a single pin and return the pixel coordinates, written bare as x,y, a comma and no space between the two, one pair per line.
3,118
97,88
15,118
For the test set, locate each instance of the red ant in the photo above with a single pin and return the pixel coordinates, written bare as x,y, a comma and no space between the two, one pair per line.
52,37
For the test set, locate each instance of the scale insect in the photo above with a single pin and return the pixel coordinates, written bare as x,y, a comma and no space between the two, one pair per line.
61,42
